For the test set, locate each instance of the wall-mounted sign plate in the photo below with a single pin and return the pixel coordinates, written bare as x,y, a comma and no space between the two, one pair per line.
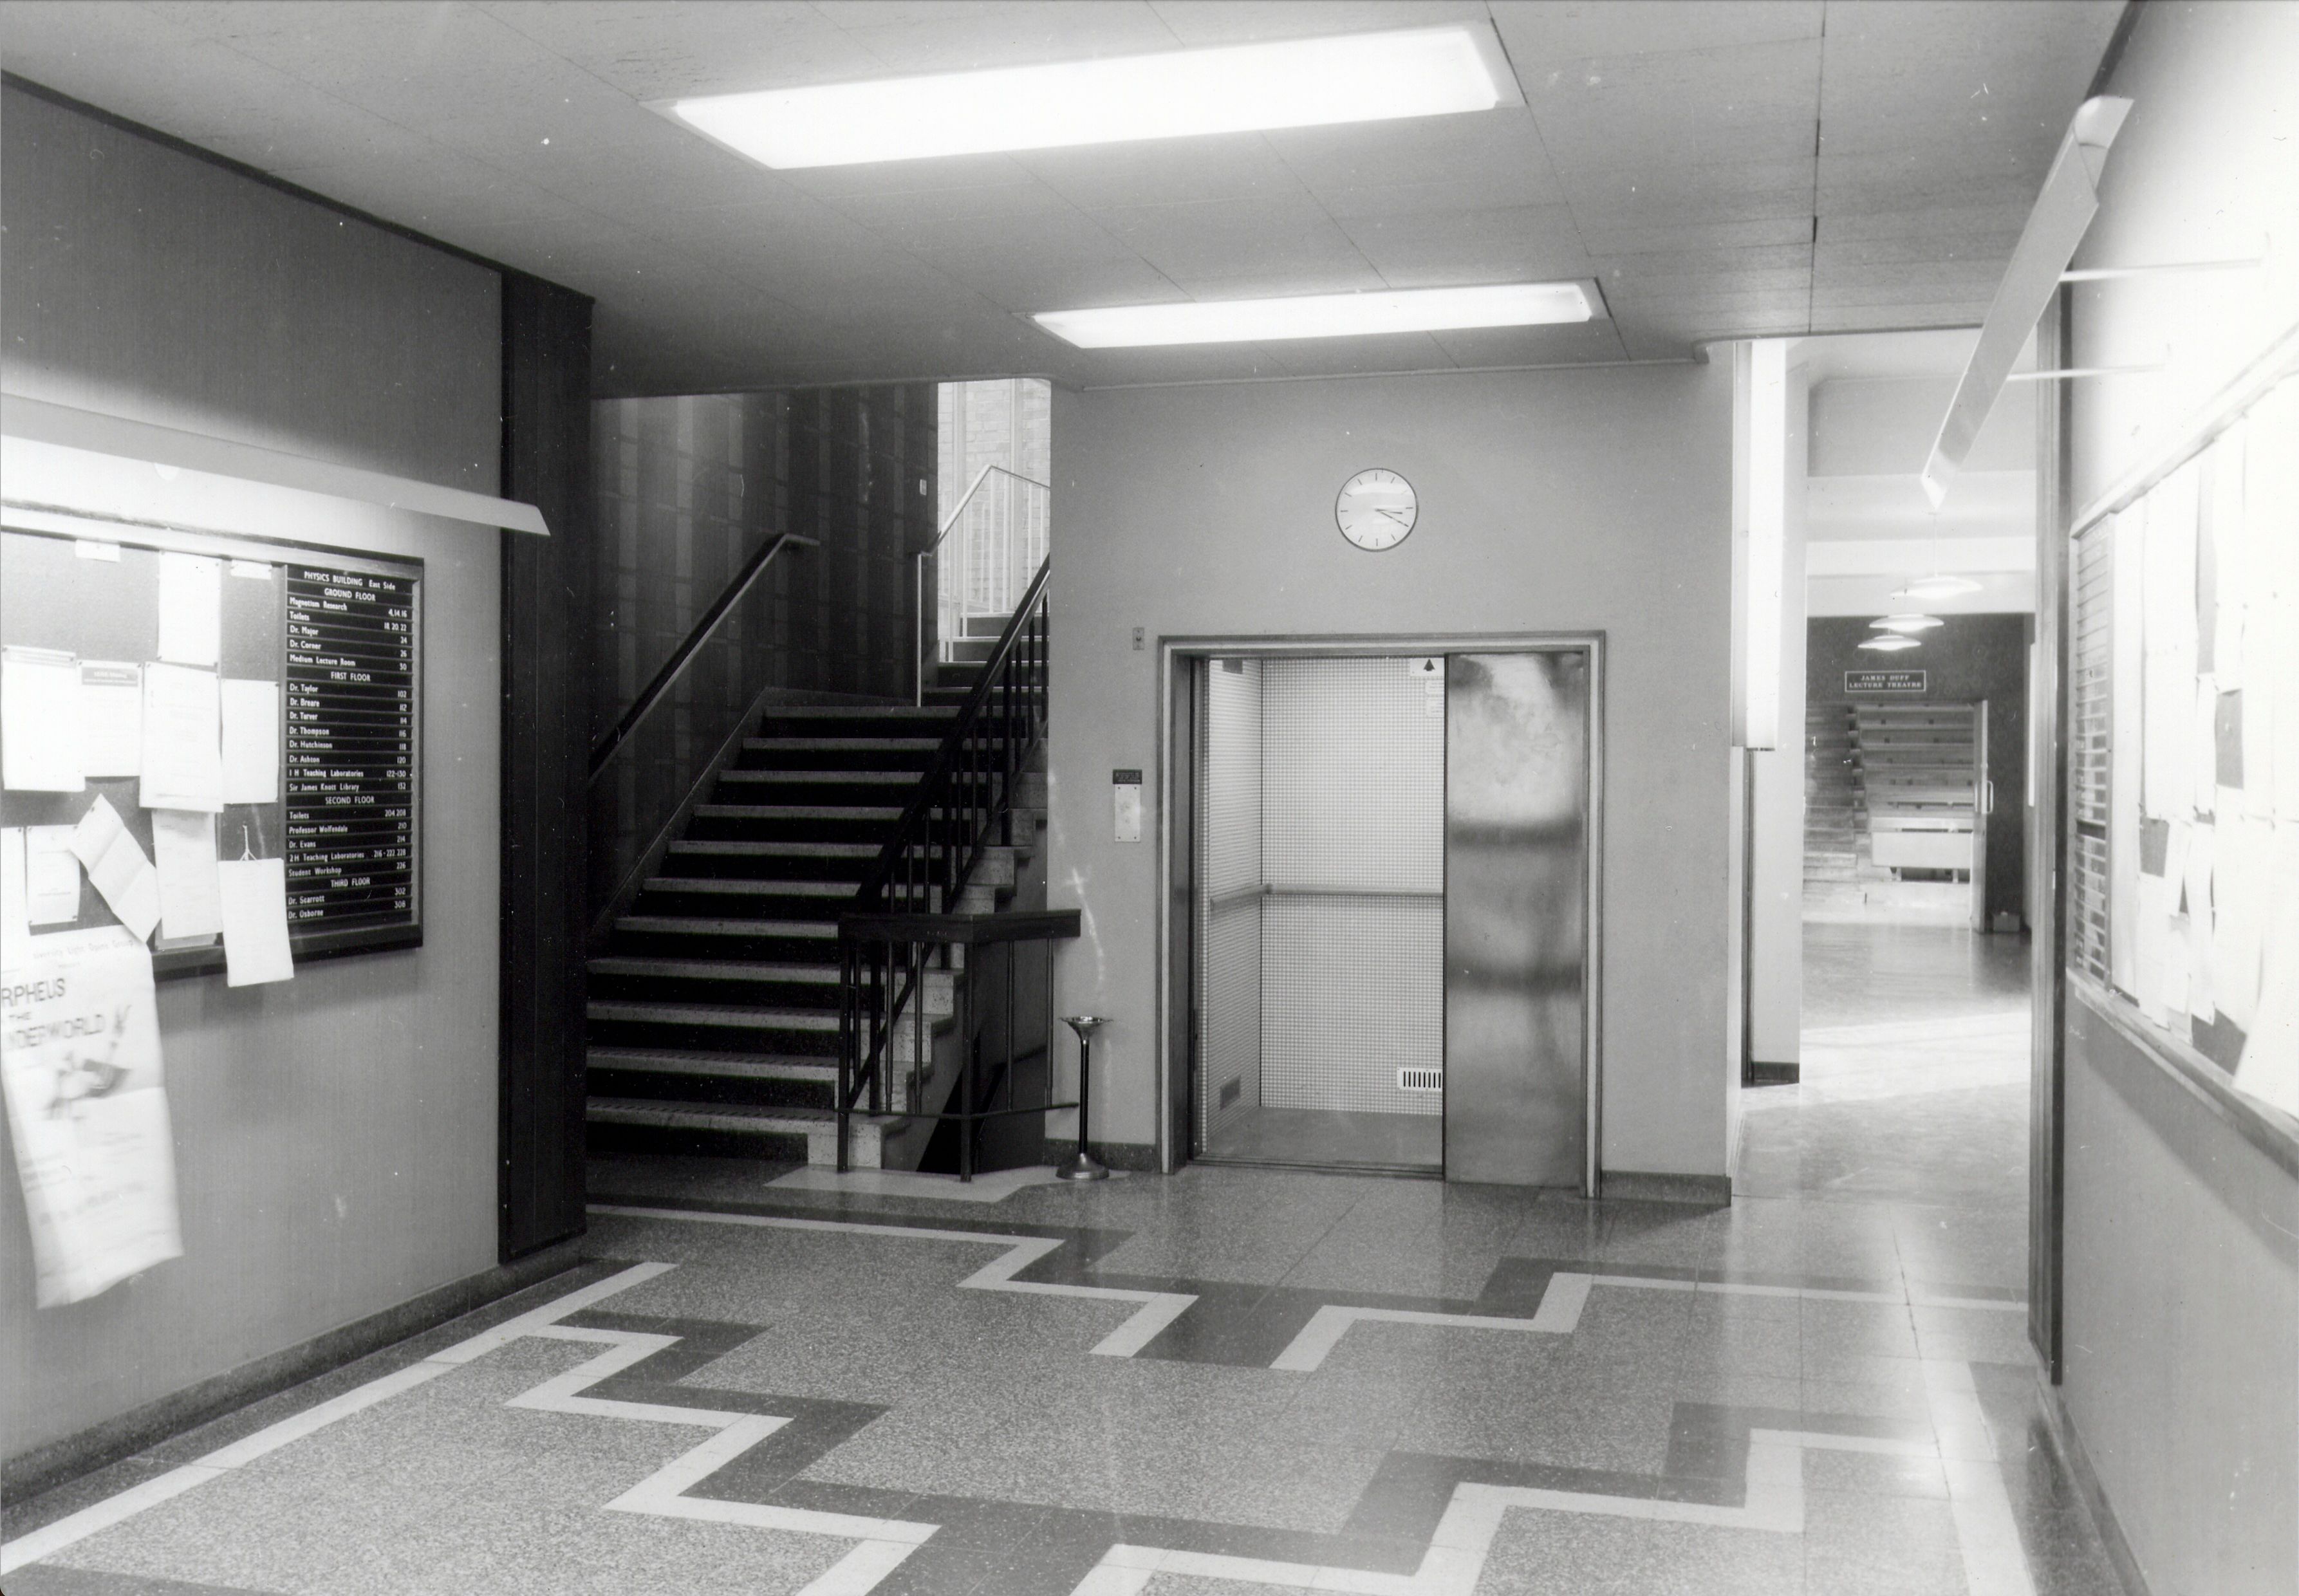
1888,681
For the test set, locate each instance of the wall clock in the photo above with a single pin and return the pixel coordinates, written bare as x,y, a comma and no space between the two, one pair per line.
1376,509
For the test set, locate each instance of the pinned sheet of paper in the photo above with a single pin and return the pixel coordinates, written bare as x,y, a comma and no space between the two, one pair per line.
191,903
255,921
251,741
183,760
15,918
191,609
2269,1069
117,866
2202,846
39,721
111,718
51,876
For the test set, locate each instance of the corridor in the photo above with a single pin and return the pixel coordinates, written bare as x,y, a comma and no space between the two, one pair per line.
1230,1381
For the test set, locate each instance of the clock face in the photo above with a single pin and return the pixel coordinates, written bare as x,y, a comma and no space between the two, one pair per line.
1376,509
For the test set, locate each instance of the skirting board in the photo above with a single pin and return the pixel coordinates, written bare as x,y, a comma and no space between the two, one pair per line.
2087,1486
1760,1074
1709,1191
45,1467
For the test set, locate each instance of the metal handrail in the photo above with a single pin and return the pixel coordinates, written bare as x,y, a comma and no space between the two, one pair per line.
884,960
933,553
966,793
974,487
604,751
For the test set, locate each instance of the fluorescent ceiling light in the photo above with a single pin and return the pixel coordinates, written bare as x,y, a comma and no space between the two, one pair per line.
1236,89
1891,642
1937,587
1908,623
1320,315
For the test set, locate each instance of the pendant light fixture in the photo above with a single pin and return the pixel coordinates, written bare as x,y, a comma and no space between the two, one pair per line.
1890,642
1908,624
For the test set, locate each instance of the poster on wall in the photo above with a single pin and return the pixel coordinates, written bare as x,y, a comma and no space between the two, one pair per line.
79,1069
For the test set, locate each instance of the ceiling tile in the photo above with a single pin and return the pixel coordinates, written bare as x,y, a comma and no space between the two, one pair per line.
1943,221
1542,32
1563,346
1499,187
1217,362
1603,237
1162,172
1523,242
1278,281
1044,282
937,38
1418,150
1346,357
1229,237
666,49
1673,142
1986,253
1909,182
1241,21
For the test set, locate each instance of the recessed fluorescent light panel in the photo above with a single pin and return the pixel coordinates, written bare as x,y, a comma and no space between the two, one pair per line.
1320,315
1936,587
1235,89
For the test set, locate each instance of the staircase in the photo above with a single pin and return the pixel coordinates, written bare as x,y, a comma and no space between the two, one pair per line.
1835,827
714,1011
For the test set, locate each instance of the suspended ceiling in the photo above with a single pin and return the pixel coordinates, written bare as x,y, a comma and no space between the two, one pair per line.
1724,170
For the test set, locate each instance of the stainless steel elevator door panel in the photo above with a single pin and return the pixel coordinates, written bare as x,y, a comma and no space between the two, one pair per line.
1517,875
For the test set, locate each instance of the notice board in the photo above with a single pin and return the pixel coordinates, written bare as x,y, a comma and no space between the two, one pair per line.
320,649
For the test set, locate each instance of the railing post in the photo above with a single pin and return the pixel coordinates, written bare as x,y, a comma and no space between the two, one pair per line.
846,1042
967,1053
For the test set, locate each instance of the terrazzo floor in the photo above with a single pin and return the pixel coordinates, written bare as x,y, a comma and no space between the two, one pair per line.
1220,1382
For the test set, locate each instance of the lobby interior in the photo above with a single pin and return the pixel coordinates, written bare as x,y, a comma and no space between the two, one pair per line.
1876,1229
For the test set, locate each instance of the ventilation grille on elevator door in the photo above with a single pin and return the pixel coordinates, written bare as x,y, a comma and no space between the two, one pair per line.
1420,1080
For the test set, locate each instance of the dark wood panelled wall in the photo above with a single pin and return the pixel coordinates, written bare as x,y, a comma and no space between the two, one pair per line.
546,686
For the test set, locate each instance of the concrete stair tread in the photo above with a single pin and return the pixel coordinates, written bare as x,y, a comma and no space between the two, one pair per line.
892,779
642,1011
746,886
835,711
712,970
794,811
698,926
842,744
714,849
755,1066
716,1116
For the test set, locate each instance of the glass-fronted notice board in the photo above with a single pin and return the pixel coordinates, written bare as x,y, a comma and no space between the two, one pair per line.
178,675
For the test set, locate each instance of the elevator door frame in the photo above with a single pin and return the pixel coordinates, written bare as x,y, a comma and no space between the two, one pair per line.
1175,884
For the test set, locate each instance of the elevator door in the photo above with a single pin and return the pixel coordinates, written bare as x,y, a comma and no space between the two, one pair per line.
1516,893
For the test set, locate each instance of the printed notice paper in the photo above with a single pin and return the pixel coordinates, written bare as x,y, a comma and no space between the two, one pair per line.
51,876
183,760
117,866
39,721
111,718
191,609
251,741
79,1065
2269,1069
16,925
255,921
191,902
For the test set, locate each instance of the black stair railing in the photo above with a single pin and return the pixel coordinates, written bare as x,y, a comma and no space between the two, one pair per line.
995,1079
965,799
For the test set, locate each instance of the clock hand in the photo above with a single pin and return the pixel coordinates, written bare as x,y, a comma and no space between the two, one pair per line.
1391,514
